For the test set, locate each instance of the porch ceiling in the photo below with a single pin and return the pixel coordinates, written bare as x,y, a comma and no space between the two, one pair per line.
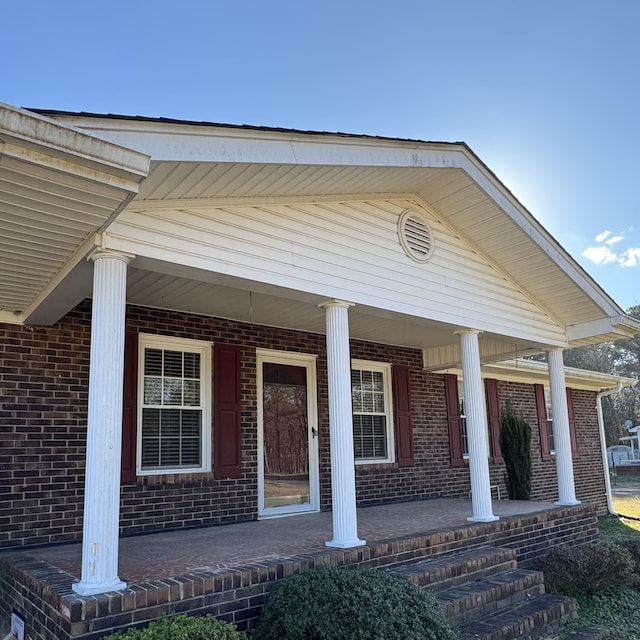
58,186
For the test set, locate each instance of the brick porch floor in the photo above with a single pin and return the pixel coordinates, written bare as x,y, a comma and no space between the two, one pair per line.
164,555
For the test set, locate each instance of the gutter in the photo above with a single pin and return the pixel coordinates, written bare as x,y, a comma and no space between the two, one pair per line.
603,444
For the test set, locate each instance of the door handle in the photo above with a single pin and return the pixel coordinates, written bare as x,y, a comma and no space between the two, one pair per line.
314,432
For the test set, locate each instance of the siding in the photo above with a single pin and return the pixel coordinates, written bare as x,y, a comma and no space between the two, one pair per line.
346,250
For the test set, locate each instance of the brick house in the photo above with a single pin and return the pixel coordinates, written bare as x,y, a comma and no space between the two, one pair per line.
203,324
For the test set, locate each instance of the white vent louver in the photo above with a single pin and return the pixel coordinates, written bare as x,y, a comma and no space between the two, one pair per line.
415,236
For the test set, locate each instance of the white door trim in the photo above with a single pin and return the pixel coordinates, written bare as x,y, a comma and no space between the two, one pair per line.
309,362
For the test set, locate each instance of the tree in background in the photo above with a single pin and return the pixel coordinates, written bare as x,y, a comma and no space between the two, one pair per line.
617,358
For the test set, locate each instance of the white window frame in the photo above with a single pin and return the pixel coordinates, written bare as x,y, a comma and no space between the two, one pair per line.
187,345
464,433
549,409
385,369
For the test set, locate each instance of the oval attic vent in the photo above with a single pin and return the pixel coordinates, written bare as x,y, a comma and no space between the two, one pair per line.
415,236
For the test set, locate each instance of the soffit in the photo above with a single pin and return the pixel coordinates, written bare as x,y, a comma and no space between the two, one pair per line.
58,186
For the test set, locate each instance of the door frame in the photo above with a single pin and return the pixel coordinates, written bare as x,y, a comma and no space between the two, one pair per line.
308,361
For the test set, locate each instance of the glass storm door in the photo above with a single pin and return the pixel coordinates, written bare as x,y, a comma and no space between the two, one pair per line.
288,428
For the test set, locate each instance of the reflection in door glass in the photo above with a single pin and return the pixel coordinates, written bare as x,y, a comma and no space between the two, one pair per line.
286,440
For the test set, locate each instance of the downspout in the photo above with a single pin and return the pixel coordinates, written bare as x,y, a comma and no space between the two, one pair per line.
603,444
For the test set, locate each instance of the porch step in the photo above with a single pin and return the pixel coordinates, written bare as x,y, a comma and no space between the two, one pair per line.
486,597
532,620
473,600
443,572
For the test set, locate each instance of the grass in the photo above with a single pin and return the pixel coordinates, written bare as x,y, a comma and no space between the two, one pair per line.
616,610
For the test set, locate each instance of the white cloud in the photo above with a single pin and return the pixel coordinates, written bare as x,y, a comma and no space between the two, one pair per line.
600,255
630,257
604,255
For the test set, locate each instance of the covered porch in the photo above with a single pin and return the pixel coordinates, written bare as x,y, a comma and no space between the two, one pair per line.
227,570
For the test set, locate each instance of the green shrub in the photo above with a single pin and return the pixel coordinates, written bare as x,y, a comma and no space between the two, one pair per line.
183,628
515,444
350,604
632,545
587,569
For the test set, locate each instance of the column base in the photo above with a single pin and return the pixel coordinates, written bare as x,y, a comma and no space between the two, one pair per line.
567,503
490,518
93,588
345,544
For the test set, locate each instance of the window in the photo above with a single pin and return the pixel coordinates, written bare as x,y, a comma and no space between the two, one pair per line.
372,416
549,407
457,420
174,420
463,420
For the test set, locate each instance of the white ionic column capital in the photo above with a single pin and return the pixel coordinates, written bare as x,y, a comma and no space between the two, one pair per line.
343,304
463,332
561,429
343,480
99,253
476,427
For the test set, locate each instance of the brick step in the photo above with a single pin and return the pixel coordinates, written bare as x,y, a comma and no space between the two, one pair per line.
530,620
443,572
589,632
475,599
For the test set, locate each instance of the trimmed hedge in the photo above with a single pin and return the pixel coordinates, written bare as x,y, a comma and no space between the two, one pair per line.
328,603
587,569
182,627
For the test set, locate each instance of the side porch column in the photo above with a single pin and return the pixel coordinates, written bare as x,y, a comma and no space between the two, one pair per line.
343,479
561,432
476,428
104,426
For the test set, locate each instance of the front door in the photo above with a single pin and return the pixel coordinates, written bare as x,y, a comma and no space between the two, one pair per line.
288,430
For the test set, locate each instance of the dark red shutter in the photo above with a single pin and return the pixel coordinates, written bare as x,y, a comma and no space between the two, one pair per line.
493,418
402,414
572,424
227,458
129,408
453,420
541,407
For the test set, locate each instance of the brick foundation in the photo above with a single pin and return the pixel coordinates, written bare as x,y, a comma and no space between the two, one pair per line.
41,593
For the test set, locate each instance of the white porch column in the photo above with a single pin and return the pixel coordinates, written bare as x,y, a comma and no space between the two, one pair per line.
343,478
561,433
476,427
104,427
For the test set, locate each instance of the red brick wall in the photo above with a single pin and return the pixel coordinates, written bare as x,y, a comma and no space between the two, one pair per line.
43,403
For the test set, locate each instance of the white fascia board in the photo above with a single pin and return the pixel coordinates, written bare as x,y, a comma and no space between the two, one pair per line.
620,326
199,143
533,372
31,131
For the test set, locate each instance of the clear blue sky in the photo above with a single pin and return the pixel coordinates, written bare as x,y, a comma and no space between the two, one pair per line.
546,92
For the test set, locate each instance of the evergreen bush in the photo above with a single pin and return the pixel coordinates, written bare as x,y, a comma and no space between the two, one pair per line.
328,603
182,628
515,443
587,569
632,545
